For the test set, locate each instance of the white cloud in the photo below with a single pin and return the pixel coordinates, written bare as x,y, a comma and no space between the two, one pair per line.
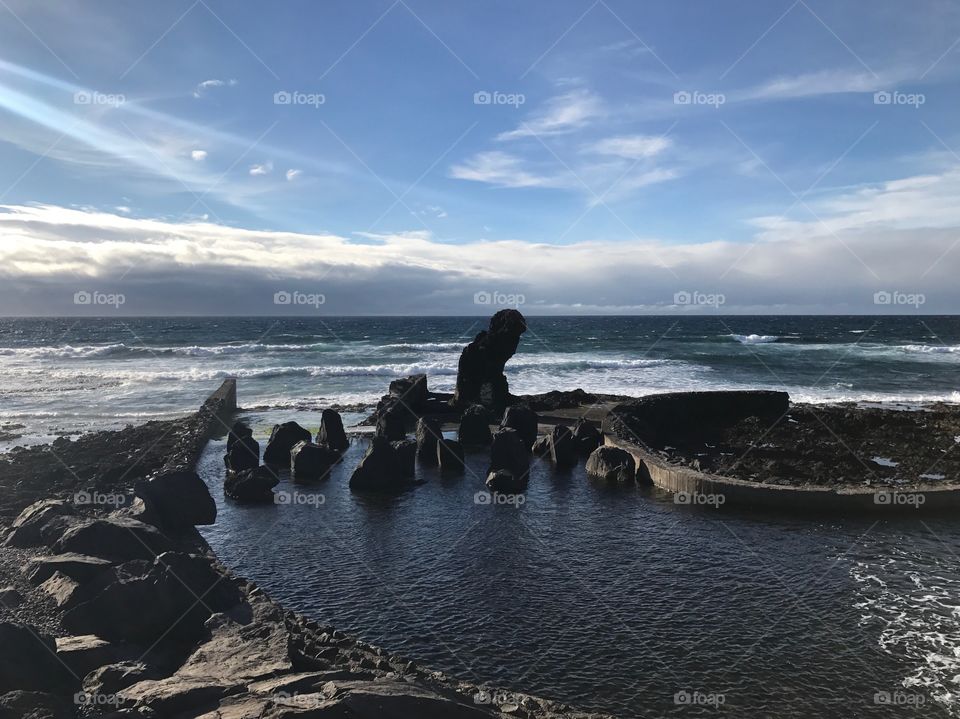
293,174
504,170
262,169
631,147
562,114
198,155
204,87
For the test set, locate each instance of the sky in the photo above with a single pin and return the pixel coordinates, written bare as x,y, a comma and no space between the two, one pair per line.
430,157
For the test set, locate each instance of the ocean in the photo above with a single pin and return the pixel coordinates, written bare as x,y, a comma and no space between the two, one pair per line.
64,376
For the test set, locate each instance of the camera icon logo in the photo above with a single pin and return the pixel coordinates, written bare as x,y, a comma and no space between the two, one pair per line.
482,498
482,98
282,498
482,298
682,98
681,298
282,98
882,298
82,298
882,98
82,497
82,97
282,298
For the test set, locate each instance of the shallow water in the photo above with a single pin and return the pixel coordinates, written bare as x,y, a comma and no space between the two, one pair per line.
616,599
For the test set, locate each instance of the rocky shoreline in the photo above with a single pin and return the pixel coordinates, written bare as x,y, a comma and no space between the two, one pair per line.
114,605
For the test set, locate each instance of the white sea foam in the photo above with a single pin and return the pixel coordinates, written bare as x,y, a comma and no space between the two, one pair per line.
755,339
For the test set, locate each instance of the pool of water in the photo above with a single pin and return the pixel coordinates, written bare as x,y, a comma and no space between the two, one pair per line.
615,599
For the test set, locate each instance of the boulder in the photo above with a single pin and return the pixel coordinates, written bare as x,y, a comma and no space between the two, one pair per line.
410,391
379,470
115,538
238,431
35,705
251,485
406,451
587,436
63,590
331,431
450,456
503,481
27,529
524,420
84,653
174,696
311,462
480,377
563,448
612,464
78,567
243,455
282,440
475,427
111,678
178,499
28,660
391,425
429,430
541,448
509,452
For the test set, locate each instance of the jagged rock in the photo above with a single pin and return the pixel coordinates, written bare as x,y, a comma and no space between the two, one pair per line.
383,700
61,589
508,452
28,660
475,427
331,431
178,499
613,464
480,377
406,452
238,431
311,462
587,436
391,425
300,706
251,485
379,470
35,705
111,678
78,567
82,654
174,696
429,429
116,538
410,391
524,420
450,456
563,448
27,529
243,455
541,448
503,481
282,440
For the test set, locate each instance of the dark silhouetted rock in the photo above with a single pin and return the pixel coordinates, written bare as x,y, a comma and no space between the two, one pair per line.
28,660
563,447
541,448
244,454
475,427
406,451
282,440
379,470
428,431
178,499
331,431
450,456
524,420
391,425
587,436
612,464
238,431
82,654
116,538
311,462
503,481
35,705
480,377
251,485
112,678
410,391
27,529
508,452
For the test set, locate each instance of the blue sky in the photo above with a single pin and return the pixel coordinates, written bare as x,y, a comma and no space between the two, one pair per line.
739,149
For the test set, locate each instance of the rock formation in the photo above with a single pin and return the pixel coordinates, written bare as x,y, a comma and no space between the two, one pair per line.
282,439
480,377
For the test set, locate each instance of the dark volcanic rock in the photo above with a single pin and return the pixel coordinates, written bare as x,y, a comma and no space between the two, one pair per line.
112,678
480,377
475,427
243,454
251,485
541,448
524,420
28,528
406,452
116,538
379,470
508,452
587,436
450,456
35,705
410,391
391,425
28,660
563,447
612,464
429,430
311,462
237,432
78,567
503,481
178,499
331,431
282,440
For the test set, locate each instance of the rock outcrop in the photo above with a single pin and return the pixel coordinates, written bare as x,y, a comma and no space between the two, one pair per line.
587,436
331,431
311,462
379,470
563,447
429,430
251,485
243,454
612,464
480,377
474,428
178,499
509,453
282,440
450,457
523,419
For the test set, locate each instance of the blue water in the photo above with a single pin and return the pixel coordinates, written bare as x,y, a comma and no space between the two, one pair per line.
66,375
